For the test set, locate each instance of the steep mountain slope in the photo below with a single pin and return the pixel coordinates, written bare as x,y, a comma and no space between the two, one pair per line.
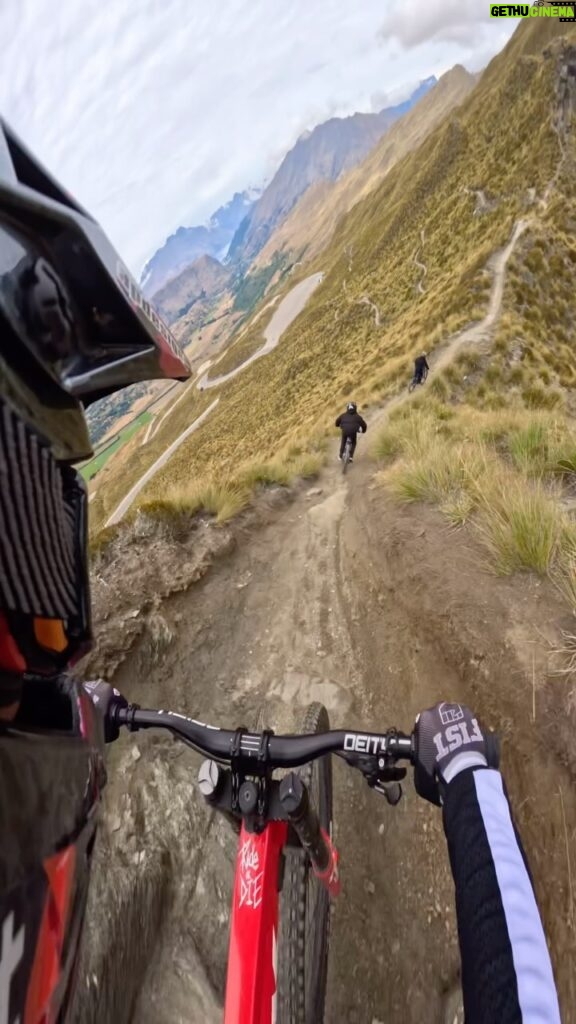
203,281
331,149
504,140
311,223
187,244
499,176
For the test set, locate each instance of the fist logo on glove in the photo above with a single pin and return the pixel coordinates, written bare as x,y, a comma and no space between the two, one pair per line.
447,740
459,730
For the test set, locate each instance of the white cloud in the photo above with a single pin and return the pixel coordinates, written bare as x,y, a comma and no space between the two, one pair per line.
413,22
152,112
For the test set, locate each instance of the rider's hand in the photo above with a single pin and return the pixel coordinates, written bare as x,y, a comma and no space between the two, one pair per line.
448,739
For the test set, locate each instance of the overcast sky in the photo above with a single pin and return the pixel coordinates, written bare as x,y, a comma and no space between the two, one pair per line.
153,112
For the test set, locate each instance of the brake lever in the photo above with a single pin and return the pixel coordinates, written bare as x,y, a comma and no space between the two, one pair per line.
383,777
392,791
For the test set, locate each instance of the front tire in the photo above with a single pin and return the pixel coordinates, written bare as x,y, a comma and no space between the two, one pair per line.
304,903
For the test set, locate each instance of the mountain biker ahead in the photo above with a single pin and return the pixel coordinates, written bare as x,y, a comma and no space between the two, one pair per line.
350,423
74,328
421,368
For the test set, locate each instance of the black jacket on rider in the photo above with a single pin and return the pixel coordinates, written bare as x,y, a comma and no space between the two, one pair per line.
420,366
350,423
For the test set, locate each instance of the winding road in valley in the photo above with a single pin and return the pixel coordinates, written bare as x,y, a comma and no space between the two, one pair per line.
293,304
290,307
121,509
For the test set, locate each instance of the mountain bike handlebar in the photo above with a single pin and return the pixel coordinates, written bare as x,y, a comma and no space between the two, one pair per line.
265,748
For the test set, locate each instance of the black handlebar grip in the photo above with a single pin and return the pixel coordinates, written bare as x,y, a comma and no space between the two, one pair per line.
492,745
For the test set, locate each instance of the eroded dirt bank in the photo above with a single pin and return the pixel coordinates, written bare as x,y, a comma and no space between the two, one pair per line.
378,612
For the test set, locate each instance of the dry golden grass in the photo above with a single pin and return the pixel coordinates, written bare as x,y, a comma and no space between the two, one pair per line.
311,224
222,499
334,351
521,524
499,469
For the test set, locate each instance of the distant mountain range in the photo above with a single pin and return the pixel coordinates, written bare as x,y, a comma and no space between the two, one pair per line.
323,154
311,222
200,282
238,230
186,244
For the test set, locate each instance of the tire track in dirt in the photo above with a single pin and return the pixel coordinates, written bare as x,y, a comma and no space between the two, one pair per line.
248,639
303,631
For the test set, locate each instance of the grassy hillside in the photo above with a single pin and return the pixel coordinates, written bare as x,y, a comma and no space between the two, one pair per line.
311,224
503,140
93,466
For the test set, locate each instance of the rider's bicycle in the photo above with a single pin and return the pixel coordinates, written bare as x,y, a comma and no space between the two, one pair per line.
416,380
347,454
286,864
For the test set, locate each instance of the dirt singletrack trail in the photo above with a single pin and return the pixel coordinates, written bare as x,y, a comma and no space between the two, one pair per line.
270,630
344,599
478,334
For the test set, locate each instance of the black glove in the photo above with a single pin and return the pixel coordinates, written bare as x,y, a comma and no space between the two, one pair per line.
448,739
105,698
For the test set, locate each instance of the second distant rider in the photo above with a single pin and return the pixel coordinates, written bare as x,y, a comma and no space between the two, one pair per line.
350,423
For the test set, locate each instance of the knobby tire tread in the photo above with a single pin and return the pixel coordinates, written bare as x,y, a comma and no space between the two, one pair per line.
299,1002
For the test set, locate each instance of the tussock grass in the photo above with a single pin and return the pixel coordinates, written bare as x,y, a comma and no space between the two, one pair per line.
458,507
529,448
221,499
497,469
281,471
563,575
411,429
265,473
225,498
334,347
536,396
520,524
307,465
434,475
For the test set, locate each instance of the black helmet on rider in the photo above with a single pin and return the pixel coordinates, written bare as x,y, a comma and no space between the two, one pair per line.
74,327
352,407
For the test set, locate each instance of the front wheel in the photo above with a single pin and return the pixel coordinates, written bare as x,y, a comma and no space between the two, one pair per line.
304,903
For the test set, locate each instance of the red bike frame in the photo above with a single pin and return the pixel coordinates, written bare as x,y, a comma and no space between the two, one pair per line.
252,956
